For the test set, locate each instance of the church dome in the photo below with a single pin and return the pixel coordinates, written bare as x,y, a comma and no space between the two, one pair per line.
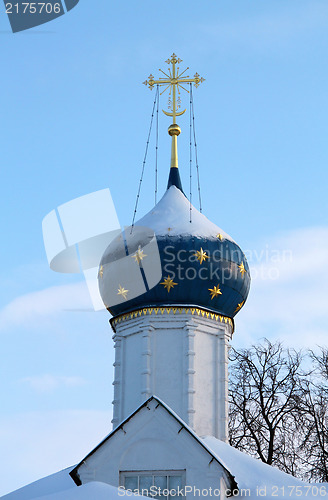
174,256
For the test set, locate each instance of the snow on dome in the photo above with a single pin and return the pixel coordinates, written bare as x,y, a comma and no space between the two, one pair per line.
173,212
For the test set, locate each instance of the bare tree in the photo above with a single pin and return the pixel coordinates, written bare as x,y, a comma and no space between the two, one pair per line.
313,412
265,391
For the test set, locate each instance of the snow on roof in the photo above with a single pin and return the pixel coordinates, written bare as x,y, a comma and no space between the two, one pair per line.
261,479
60,486
48,485
173,211
89,491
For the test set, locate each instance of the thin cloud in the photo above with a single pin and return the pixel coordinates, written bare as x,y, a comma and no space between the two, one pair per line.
34,308
288,296
48,383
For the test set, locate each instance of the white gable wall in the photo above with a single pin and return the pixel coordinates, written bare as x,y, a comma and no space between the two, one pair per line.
151,440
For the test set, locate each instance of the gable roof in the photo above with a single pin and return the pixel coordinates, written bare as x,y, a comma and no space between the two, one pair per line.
74,473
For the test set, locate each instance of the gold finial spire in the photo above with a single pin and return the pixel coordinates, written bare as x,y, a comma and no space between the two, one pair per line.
174,81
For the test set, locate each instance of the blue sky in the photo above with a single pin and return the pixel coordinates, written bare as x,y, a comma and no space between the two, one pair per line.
75,120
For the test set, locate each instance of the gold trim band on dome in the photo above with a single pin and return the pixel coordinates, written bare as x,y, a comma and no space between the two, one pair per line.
148,311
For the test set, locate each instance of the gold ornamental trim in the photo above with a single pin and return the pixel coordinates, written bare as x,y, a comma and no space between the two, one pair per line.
149,311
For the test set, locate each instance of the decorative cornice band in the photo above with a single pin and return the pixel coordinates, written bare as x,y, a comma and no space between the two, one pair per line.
149,311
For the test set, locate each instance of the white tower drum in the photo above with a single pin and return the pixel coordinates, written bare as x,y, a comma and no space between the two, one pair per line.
179,354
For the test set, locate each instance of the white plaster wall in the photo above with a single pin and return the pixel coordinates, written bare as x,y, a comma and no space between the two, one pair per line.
131,373
151,441
167,364
205,383
182,359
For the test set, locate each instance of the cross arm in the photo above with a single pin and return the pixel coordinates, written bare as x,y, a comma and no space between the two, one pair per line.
151,82
173,81
196,80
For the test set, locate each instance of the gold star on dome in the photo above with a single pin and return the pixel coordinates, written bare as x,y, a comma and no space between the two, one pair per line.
168,283
139,255
201,255
220,236
242,269
215,291
121,291
240,306
101,272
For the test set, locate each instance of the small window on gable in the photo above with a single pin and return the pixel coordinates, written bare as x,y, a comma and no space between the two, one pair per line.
164,485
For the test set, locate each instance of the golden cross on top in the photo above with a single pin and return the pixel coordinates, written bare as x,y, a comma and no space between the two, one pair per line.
174,81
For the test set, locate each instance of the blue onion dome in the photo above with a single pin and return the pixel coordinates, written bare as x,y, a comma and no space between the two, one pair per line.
174,256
